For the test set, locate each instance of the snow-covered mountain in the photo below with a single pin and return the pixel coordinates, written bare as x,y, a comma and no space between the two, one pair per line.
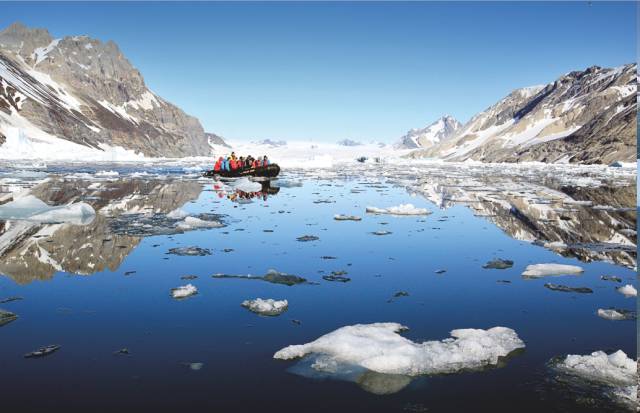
439,131
583,117
82,96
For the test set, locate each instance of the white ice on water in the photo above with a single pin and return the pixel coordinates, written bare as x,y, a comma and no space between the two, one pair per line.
378,347
184,291
616,370
610,314
267,306
543,270
402,209
628,290
246,185
30,208
195,222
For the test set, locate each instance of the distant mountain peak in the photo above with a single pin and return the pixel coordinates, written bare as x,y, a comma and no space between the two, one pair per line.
441,130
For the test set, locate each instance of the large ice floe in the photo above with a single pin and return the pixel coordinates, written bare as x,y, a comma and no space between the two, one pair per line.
245,185
381,349
30,208
544,270
267,306
402,209
616,373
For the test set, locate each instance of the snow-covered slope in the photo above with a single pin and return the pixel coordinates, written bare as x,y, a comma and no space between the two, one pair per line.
584,116
79,96
439,131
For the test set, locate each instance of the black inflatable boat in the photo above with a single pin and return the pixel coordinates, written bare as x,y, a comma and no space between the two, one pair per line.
269,171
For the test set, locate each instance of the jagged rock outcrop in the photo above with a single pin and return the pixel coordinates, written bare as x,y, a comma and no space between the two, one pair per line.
439,131
216,139
85,91
583,117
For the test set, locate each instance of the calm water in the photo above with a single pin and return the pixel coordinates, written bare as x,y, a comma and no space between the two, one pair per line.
76,294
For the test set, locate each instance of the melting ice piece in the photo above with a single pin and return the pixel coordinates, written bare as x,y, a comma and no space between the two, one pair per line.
194,222
30,208
245,185
628,290
543,270
184,291
378,347
339,217
616,371
6,317
616,314
268,307
402,209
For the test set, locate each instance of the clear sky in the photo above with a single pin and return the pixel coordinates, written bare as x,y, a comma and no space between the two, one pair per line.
329,71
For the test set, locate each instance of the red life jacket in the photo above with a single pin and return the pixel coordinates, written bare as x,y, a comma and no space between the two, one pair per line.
216,167
232,163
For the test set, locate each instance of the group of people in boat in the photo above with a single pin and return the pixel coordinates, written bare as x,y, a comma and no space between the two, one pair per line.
232,162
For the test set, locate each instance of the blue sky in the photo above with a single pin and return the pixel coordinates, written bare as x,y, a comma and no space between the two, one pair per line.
329,71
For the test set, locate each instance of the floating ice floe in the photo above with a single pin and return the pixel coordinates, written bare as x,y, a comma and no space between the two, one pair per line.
184,291
628,290
402,209
30,208
107,174
194,222
378,347
339,217
268,307
543,270
616,314
246,185
616,371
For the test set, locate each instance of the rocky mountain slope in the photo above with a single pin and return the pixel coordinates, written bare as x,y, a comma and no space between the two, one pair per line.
76,93
583,117
439,131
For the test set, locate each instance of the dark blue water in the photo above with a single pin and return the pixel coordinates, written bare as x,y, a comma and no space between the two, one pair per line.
92,316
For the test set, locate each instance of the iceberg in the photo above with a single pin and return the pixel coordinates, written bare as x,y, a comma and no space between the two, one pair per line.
268,307
616,314
402,209
379,348
30,208
543,270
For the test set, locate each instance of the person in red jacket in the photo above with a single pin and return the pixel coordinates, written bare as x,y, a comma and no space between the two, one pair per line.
218,164
265,161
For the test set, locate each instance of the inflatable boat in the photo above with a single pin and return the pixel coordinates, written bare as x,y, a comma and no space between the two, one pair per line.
269,171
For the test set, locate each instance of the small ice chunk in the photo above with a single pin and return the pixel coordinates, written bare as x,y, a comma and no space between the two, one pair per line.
402,209
378,347
194,222
616,314
184,291
246,185
268,307
616,370
107,173
339,217
543,270
628,290
178,213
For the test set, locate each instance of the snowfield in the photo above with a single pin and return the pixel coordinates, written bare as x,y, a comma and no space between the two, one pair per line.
380,348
